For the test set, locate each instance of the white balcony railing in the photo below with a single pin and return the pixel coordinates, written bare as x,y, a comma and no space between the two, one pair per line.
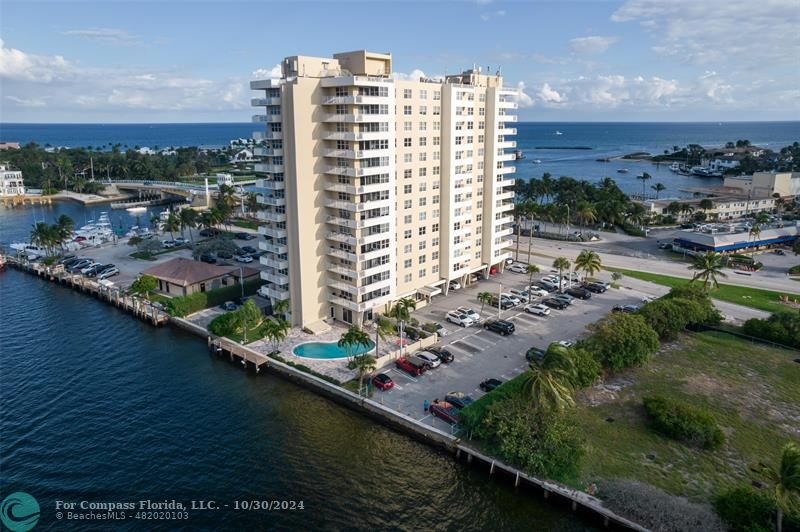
272,232
261,102
271,216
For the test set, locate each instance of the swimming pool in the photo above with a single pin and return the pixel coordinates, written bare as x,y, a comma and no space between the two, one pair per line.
328,350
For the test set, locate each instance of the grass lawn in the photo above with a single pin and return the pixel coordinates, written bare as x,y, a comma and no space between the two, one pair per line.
247,224
751,390
741,295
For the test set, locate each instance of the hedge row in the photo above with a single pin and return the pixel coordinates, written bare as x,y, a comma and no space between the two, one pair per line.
185,305
684,422
782,328
305,369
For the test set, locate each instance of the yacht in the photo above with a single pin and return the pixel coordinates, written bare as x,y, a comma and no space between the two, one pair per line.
675,167
518,155
537,161
558,132
30,251
622,171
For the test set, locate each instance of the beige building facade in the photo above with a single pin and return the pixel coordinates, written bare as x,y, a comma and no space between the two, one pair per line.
766,184
374,188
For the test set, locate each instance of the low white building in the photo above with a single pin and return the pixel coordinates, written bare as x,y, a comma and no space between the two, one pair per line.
766,184
225,179
10,182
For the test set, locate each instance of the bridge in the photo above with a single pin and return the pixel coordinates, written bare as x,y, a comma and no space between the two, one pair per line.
191,192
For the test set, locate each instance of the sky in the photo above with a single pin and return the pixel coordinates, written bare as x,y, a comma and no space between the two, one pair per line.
122,61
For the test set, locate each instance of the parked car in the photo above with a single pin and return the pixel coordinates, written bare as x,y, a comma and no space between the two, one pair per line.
509,261
459,399
209,232
403,364
455,285
168,244
534,353
179,241
429,358
249,249
65,259
444,411
517,268
441,331
597,288
382,382
553,279
566,298
557,304
505,303
501,327
538,292
92,271
89,267
228,305
520,293
247,259
459,318
490,384
78,266
109,272
262,291
537,309
514,299
470,312
441,353
580,293
566,343
547,285
630,309
208,257
241,236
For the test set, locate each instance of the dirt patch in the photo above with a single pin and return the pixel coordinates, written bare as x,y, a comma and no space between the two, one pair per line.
702,384
605,392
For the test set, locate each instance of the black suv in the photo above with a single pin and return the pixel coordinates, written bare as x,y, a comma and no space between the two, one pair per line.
534,353
580,293
597,288
502,327
505,303
558,304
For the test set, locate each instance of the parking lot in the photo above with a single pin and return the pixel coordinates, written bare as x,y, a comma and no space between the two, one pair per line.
481,354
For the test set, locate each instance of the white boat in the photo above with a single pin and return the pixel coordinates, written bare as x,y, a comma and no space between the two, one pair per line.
558,132
30,251
134,210
537,161
675,167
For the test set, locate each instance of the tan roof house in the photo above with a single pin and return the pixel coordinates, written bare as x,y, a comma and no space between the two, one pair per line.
182,277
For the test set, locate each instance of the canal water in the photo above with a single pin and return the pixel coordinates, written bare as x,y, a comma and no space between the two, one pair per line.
97,406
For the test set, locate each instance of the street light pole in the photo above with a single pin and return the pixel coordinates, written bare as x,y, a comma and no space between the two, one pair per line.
499,297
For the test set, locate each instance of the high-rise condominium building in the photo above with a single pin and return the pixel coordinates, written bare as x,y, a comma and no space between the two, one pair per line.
376,188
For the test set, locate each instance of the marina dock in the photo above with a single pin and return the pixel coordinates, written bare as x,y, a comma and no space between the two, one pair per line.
108,292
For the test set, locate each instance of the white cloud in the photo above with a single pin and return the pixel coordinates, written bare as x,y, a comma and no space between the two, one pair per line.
415,75
272,73
743,34
494,14
523,99
16,64
591,45
548,95
615,91
27,102
104,35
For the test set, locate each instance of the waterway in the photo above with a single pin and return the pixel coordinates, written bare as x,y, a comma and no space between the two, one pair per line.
97,406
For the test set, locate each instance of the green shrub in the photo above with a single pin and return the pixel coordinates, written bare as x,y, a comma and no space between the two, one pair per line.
683,422
470,417
782,328
622,340
587,368
746,509
185,305
542,442
429,327
794,270
669,316
224,324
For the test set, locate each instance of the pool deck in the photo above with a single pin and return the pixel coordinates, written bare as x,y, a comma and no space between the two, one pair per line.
336,368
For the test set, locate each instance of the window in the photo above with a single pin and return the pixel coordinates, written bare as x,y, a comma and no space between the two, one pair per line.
437,141
422,273
407,234
407,94
408,157
423,156
407,142
408,173
422,230
407,263
437,126
407,110
423,141
407,249
407,126
423,216
406,189
482,111
435,268
407,204
435,199
423,94
435,228
437,95
437,110
423,201
407,219
423,110
423,186
435,241
422,259
407,278
423,172
436,155
482,97
423,126
422,245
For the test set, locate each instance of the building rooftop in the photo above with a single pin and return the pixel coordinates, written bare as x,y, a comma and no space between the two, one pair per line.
185,272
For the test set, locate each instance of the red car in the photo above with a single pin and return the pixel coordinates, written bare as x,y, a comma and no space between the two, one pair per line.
383,382
404,365
444,411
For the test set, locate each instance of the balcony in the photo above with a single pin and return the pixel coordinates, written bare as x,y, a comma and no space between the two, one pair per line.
504,232
504,244
504,220
357,207
353,135
280,294
352,189
506,105
344,222
505,170
356,81
267,135
351,100
341,269
271,216
267,118
342,254
355,118
271,231
278,249
268,168
507,131
261,151
269,185
278,264
352,305
344,238
505,157
506,118
505,195
505,206
275,278
262,84
356,172
462,244
271,200
506,144
501,182
261,102
355,154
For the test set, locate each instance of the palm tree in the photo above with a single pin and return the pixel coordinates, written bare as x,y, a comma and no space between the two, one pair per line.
281,307
708,266
588,261
658,187
383,329
353,338
275,331
561,264
754,234
484,298
154,222
586,213
644,176
785,481
188,219
172,224
548,381
402,312
530,269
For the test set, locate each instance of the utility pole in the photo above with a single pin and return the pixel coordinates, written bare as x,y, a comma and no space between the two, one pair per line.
499,297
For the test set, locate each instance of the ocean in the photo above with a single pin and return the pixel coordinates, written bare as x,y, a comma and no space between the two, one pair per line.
537,140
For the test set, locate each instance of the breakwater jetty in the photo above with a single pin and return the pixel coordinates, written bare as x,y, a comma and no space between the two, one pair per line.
113,295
